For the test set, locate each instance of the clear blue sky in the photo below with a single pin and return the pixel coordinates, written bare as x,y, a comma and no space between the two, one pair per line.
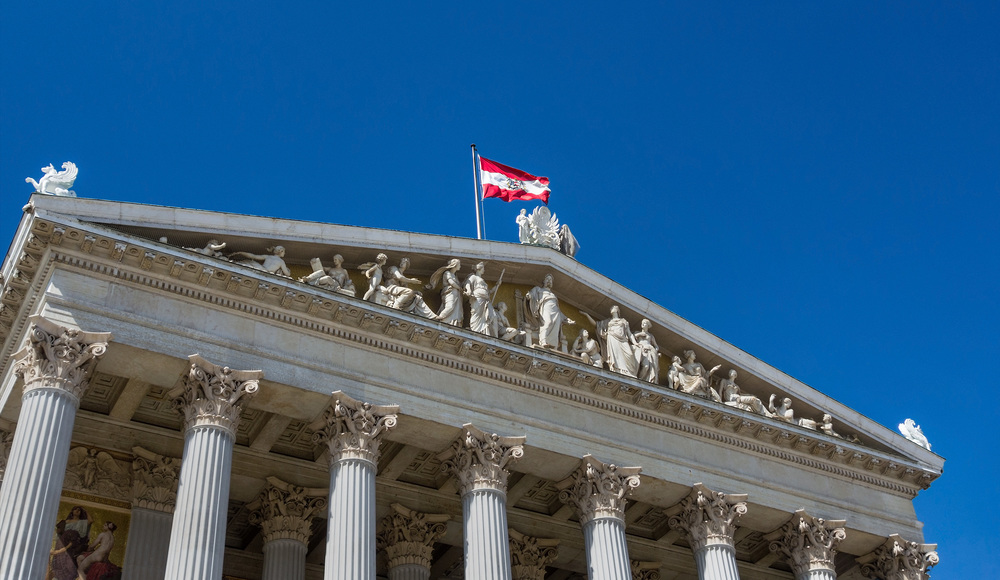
818,184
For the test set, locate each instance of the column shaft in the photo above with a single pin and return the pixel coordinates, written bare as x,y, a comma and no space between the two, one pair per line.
284,559
607,551
350,547
817,575
410,572
146,550
33,481
487,546
717,562
198,533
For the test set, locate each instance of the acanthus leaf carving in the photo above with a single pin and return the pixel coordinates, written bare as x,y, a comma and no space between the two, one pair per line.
286,511
529,555
214,395
479,460
154,480
59,357
899,559
645,570
352,429
808,543
599,490
408,536
708,517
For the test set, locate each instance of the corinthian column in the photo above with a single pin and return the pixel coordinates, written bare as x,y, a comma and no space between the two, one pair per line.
408,537
352,431
55,366
708,518
529,556
809,544
898,559
598,490
479,461
211,400
285,513
154,492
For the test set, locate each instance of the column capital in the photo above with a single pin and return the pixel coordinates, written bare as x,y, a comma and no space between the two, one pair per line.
351,429
286,511
154,480
708,517
59,357
214,395
479,460
529,555
408,536
598,490
808,543
645,570
898,559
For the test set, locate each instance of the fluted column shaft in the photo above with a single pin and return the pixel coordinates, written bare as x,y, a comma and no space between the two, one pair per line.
410,572
823,574
708,519
716,562
55,366
284,559
607,552
146,548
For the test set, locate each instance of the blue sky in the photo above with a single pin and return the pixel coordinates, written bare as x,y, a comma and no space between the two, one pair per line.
817,184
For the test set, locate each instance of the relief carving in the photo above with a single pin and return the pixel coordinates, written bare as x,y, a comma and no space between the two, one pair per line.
97,472
529,555
154,480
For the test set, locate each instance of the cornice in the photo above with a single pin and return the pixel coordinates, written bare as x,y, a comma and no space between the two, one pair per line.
227,285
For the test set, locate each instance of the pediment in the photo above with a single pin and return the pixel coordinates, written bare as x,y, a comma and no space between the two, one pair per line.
154,238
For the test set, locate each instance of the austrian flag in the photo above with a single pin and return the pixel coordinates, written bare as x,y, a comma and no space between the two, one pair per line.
509,184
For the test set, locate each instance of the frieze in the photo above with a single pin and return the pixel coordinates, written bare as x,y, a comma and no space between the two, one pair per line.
340,318
98,472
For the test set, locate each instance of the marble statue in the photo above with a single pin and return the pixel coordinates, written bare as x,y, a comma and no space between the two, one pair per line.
543,228
335,278
482,315
399,295
212,249
827,426
674,374
451,293
732,396
542,311
783,412
272,262
523,227
567,242
56,182
616,341
647,353
913,432
373,271
588,349
693,380
502,325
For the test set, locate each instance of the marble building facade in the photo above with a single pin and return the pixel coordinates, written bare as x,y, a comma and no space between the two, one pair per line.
244,420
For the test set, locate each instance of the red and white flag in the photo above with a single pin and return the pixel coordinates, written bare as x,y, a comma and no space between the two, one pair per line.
509,184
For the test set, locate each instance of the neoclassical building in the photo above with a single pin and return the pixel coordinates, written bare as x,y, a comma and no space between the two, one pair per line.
188,394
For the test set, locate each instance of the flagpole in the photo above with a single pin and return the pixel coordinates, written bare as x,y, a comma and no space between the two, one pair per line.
475,186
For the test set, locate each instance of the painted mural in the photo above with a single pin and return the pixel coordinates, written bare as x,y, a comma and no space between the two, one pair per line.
89,542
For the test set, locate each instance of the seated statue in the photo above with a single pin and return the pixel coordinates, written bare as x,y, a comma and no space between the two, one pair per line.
732,396
588,349
400,296
674,374
693,380
335,279
783,412
502,326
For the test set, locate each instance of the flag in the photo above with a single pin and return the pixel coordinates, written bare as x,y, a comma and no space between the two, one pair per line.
509,184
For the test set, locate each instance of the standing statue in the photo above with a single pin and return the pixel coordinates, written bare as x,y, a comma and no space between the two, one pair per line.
272,262
451,292
373,271
567,242
616,343
913,432
56,182
647,353
542,311
523,227
335,278
588,349
481,313
695,381
732,396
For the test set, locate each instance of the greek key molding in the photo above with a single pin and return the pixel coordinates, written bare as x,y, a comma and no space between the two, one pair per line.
214,395
599,490
154,480
285,511
408,536
808,543
708,517
530,555
57,357
899,559
352,429
479,460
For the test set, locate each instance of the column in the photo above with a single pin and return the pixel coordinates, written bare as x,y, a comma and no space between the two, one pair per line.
285,513
407,538
899,559
154,493
353,432
598,490
55,366
645,570
529,555
211,400
809,545
6,438
708,518
479,461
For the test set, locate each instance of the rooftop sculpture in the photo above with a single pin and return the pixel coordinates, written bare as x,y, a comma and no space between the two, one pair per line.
541,228
56,182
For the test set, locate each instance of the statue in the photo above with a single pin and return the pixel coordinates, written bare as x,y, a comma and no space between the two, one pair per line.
542,311
399,295
827,426
732,396
647,354
502,325
784,412
674,374
56,182
523,227
693,380
567,242
481,312
616,343
913,432
272,262
373,271
335,279
543,228
211,249
588,349
451,292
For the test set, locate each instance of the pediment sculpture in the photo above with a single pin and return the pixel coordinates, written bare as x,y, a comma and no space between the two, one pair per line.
541,228
56,182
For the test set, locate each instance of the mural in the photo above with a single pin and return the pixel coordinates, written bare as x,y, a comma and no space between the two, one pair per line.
89,542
